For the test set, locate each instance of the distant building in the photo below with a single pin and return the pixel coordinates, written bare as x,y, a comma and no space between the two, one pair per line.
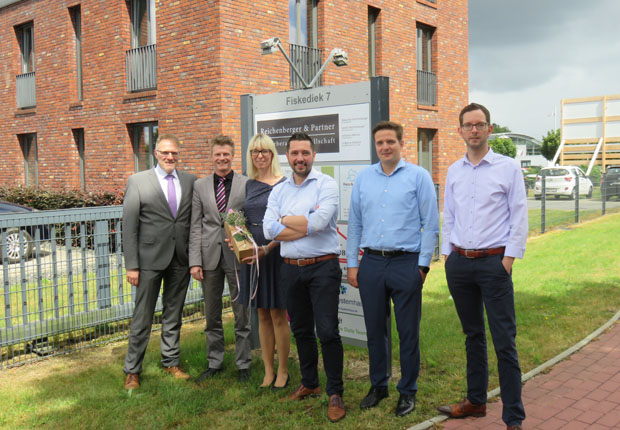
528,149
87,85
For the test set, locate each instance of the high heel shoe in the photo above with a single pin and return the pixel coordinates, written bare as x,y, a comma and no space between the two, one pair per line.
275,388
264,387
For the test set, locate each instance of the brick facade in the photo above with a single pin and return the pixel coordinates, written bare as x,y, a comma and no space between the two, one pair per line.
208,54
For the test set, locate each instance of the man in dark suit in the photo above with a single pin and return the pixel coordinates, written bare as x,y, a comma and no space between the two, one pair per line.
211,260
156,221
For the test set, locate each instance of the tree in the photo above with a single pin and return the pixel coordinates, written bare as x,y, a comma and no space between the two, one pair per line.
504,146
550,144
500,129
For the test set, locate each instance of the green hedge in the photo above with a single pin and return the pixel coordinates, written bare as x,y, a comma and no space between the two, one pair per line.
41,199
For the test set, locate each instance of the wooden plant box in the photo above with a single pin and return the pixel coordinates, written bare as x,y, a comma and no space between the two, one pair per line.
242,248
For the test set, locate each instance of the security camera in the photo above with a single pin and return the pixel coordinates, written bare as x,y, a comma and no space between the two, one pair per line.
270,46
339,57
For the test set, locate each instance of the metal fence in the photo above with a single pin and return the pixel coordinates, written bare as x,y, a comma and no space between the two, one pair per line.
552,207
66,289
427,88
308,62
141,68
26,90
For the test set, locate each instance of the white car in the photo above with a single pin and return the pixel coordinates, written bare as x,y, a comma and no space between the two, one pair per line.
562,181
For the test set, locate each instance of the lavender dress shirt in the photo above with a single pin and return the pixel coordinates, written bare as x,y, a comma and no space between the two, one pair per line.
485,206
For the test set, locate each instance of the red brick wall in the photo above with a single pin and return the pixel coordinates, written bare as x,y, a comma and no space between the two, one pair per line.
208,56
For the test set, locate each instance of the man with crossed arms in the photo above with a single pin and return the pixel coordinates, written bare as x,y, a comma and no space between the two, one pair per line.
301,214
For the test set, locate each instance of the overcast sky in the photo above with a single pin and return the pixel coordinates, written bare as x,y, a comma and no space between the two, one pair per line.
527,55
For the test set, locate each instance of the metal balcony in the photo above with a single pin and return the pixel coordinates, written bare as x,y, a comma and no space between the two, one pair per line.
26,91
141,68
427,88
308,61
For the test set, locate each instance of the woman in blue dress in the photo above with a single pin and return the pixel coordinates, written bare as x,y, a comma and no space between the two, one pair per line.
264,172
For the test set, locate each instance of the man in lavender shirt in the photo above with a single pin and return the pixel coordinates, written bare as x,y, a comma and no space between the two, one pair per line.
484,230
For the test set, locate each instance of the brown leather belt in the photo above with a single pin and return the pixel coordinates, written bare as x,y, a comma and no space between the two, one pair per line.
309,261
478,253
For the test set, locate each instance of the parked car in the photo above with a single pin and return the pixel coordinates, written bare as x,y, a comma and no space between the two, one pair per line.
562,181
13,251
610,182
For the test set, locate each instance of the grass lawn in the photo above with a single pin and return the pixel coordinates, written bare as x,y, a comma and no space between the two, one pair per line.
566,287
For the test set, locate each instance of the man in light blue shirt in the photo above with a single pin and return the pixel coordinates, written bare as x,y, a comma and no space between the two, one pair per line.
301,214
393,217
484,230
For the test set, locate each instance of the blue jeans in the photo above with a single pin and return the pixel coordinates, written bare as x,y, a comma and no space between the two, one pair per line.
483,283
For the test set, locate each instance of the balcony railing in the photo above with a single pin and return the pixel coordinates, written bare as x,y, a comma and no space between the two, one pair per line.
427,88
141,68
26,91
308,62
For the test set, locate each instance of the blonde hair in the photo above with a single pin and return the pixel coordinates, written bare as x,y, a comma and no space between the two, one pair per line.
264,142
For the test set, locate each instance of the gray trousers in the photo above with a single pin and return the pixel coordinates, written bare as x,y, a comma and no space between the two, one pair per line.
212,288
176,280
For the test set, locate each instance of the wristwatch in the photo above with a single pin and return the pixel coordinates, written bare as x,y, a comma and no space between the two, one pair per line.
424,269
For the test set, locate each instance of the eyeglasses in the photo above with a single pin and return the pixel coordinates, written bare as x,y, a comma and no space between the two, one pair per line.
263,152
480,126
167,153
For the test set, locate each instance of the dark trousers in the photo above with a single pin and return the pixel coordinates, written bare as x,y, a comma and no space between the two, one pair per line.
477,284
398,278
312,295
176,280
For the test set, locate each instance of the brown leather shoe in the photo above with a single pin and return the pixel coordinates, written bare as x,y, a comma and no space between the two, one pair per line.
463,409
335,410
514,428
176,372
132,381
302,392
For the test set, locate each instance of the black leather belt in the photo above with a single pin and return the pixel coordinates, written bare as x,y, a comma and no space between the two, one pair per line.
385,253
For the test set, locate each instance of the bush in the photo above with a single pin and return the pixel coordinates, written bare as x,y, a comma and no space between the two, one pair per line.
59,199
595,174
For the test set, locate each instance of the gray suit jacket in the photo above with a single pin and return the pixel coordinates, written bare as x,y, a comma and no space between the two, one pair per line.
206,239
150,233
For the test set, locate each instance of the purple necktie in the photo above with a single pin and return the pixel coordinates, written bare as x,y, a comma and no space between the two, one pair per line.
220,195
172,196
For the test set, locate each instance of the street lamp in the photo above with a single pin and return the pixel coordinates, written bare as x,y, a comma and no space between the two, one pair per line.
338,56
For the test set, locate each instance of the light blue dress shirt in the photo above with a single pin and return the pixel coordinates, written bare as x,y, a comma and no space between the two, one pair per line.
316,199
485,206
393,212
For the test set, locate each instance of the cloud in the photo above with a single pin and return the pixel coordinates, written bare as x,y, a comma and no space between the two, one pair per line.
525,56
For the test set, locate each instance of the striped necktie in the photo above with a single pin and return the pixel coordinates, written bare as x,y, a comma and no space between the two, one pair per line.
220,195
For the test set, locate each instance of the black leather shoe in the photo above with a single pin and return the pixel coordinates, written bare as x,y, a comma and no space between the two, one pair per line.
374,396
243,375
276,388
406,405
209,373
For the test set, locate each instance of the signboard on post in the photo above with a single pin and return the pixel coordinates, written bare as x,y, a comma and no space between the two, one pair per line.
339,120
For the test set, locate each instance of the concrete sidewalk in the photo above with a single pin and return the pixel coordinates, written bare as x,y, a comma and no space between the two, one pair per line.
579,393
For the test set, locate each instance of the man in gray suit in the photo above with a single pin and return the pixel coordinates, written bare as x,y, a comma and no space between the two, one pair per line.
156,221
211,260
